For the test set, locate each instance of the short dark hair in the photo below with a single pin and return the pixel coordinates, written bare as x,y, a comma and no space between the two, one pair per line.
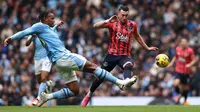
124,8
43,15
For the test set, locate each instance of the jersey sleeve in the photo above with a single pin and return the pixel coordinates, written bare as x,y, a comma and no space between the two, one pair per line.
135,28
55,28
176,50
191,52
29,31
109,25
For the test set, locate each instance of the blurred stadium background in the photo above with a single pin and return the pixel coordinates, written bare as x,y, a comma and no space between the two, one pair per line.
162,23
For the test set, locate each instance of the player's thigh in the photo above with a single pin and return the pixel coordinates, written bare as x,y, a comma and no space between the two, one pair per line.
68,76
109,64
46,66
125,61
177,80
185,81
37,66
71,61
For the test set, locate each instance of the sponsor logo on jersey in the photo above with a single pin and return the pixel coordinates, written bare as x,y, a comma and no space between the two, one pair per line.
121,37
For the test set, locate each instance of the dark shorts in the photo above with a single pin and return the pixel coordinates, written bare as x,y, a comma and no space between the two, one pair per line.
110,61
184,78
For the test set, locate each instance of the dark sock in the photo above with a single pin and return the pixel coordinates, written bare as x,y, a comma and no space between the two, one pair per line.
185,94
95,85
177,90
127,72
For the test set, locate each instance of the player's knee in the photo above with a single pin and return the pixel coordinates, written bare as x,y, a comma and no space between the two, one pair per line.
75,91
43,78
128,66
185,87
90,67
176,82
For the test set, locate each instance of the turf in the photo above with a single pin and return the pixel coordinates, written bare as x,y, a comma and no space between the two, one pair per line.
102,109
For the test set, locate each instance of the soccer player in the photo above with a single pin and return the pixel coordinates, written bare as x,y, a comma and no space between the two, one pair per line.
42,65
184,59
65,62
122,31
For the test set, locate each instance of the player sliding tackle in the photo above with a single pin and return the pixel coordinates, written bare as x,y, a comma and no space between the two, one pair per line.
122,31
65,62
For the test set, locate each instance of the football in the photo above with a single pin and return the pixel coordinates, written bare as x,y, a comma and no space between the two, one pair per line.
162,60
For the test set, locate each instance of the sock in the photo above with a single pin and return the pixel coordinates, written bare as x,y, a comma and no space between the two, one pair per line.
62,93
177,89
103,74
42,88
127,73
94,86
128,67
185,94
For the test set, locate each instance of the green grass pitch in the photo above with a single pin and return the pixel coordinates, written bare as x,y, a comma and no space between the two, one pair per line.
102,109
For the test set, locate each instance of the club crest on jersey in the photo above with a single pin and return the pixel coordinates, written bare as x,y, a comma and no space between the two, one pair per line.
129,28
121,37
186,55
105,64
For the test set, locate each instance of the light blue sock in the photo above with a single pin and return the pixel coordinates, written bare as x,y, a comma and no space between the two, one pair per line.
103,74
63,93
42,88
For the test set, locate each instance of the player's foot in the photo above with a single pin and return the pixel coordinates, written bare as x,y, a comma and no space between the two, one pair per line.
128,82
35,102
49,86
185,103
85,101
43,99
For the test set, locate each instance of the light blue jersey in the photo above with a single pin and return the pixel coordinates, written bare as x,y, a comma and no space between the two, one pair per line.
48,37
40,51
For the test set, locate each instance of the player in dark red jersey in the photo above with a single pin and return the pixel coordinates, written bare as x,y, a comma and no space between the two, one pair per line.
185,59
122,31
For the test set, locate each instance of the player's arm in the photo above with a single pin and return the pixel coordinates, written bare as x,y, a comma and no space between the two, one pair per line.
140,40
21,34
103,24
58,25
172,62
30,39
194,60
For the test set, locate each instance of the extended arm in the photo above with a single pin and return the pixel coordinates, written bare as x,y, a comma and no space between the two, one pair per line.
21,34
140,40
58,25
102,24
172,62
194,60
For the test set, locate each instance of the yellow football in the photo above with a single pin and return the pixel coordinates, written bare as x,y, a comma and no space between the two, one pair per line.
162,60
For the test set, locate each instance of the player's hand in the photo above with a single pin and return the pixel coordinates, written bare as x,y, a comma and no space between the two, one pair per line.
7,41
60,23
188,65
152,48
170,65
112,19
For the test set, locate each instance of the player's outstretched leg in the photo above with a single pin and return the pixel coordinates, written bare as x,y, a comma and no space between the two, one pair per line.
102,74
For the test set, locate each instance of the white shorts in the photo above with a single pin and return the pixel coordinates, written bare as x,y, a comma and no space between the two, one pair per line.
42,65
68,64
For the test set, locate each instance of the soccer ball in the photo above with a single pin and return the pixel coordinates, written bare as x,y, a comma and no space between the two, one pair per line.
162,60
